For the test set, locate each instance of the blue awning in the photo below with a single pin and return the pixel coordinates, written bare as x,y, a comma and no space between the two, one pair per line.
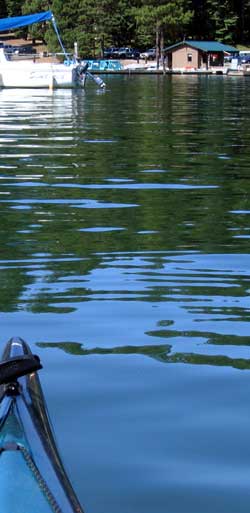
22,21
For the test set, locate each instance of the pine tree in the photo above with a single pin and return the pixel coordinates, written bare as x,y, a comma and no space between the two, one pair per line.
166,18
36,31
93,25
13,8
222,20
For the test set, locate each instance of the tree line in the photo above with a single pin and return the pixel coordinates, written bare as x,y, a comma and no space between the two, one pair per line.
137,23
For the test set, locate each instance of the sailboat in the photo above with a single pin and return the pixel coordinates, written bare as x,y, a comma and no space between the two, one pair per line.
29,74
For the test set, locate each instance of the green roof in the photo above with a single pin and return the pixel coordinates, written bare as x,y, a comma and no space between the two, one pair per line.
205,46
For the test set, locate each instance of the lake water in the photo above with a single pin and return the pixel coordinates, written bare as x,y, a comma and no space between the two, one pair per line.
124,263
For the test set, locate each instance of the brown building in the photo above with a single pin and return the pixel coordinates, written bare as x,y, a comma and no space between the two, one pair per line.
197,54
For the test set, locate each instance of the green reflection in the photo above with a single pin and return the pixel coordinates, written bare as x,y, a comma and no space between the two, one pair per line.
158,352
205,336
76,348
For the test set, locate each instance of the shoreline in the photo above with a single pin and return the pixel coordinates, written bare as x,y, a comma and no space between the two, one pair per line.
132,67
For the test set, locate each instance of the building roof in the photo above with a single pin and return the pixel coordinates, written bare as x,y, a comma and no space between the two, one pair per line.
205,46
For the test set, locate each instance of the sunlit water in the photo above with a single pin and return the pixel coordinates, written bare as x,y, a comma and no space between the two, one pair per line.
125,242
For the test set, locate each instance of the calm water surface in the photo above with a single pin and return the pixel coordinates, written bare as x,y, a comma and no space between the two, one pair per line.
124,262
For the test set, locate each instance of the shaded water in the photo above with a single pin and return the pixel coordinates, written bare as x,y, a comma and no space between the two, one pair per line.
125,263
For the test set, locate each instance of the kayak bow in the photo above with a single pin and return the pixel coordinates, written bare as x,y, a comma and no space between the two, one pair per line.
32,476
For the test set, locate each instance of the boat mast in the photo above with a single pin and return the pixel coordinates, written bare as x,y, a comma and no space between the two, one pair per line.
59,37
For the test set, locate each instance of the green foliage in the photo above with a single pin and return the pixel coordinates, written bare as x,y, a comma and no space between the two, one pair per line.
36,31
143,23
13,7
94,25
242,31
3,9
168,18
165,19
223,20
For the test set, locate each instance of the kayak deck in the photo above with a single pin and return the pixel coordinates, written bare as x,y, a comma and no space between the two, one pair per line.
32,472
19,490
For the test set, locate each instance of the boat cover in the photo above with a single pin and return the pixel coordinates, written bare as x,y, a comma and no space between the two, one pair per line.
22,21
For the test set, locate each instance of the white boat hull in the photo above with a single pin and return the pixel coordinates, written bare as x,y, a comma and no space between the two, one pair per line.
29,74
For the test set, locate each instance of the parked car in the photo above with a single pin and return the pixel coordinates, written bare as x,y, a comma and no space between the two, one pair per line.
110,53
244,59
9,49
25,50
150,54
128,53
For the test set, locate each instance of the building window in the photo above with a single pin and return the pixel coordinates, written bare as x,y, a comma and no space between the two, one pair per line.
190,57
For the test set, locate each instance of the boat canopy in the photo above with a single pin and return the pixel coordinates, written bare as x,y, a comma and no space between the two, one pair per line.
22,21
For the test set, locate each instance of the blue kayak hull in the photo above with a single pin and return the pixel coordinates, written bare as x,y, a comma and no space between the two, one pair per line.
32,475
